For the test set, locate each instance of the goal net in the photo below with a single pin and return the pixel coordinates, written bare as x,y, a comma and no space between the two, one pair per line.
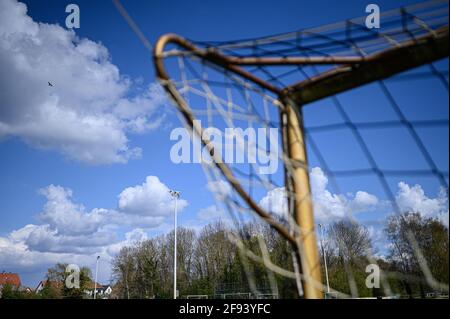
318,125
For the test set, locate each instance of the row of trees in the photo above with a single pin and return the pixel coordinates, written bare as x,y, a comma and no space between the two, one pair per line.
419,253
54,286
210,264
417,259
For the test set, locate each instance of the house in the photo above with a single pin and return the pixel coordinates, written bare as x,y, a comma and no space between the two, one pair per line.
57,285
103,291
27,290
7,278
40,286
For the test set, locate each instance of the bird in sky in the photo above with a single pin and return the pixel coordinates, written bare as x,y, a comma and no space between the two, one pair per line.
49,84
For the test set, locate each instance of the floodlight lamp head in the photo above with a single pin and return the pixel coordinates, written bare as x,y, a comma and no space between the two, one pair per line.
174,194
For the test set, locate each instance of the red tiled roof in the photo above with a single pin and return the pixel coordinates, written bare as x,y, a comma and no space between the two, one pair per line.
91,285
10,278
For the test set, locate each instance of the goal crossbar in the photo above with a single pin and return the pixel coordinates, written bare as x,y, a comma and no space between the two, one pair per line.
352,72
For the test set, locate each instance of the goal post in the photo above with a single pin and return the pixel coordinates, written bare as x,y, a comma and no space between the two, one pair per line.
307,250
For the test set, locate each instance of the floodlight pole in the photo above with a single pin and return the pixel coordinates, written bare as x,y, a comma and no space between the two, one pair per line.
324,258
306,241
175,195
96,273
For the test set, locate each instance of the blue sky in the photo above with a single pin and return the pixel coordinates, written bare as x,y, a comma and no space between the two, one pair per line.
32,157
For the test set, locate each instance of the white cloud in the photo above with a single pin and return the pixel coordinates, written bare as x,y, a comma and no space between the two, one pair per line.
152,198
32,264
378,237
205,216
69,233
219,188
327,206
275,201
363,201
444,218
87,113
211,213
42,238
413,199
135,236
17,255
145,205
66,217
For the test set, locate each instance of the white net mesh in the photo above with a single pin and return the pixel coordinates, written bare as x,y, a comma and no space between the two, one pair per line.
235,99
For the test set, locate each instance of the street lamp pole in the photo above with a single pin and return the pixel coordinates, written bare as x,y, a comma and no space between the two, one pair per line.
324,258
175,195
95,282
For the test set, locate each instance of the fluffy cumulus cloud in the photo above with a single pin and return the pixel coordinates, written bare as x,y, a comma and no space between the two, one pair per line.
42,238
413,199
219,188
18,256
152,198
212,213
327,206
137,235
88,112
68,232
330,206
275,201
65,216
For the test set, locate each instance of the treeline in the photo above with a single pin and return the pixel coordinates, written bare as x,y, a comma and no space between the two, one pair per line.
414,245
54,286
210,264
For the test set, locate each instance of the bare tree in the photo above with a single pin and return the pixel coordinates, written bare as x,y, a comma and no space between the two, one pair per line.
418,242
351,240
